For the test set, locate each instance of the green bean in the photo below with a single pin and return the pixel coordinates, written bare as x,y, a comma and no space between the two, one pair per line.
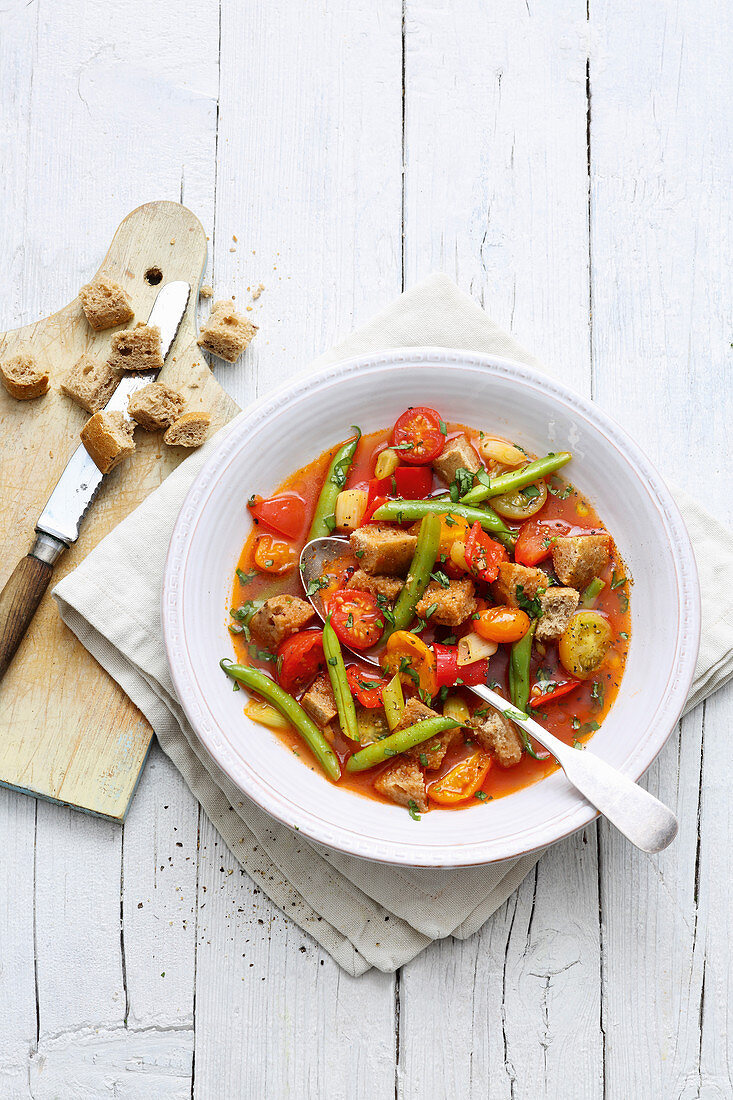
398,742
519,659
517,479
418,577
324,519
592,592
394,702
415,509
291,709
339,682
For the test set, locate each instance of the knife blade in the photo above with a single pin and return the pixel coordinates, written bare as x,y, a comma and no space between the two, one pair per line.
60,521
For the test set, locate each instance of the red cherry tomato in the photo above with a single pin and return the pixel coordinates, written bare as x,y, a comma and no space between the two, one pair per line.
483,554
448,670
534,542
366,687
413,482
299,660
547,691
284,513
356,618
418,437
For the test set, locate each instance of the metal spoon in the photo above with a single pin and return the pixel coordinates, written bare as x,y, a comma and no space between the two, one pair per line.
641,817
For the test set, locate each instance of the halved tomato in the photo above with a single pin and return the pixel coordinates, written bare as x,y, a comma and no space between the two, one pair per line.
366,687
299,660
419,436
356,617
501,624
534,542
408,655
483,555
284,513
462,781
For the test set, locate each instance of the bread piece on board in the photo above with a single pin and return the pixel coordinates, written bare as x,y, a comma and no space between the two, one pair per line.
108,437
23,378
136,349
105,304
189,430
90,383
226,333
155,406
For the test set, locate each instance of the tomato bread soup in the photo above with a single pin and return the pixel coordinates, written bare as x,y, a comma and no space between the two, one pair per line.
463,561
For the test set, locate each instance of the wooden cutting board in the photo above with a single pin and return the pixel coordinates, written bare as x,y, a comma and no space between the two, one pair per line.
67,731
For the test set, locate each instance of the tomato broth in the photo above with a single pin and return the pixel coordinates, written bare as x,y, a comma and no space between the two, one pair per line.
573,718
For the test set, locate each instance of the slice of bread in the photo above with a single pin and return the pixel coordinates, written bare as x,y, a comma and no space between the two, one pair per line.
189,430
226,333
23,378
136,349
90,383
155,406
108,437
105,303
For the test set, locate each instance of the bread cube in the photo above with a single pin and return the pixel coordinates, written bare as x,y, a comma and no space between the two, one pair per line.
278,618
319,701
188,431
383,549
403,782
498,736
557,605
136,349
105,303
108,438
155,406
457,454
379,585
511,577
577,559
450,606
23,378
226,333
90,383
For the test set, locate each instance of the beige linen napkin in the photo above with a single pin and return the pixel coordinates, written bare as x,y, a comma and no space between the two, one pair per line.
364,914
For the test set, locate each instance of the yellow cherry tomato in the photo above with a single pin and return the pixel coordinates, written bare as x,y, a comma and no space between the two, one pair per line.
408,655
273,555
463,781
584,644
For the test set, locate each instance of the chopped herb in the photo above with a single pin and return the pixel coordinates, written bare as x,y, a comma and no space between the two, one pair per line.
350,621
443,428
333,661
423,759
388,752
530,492
245,578
481,795
450,640
623,602
483,478
547,543
575,722
443,693
578,744
588,727
403,446
269,563
261,654
431,610
316,586
425,696
533,607
616,582
441,578
515,715
461,483
555,486
235,686
419,626
358,553
330,521
412,810
237,628
597,693
449,521
624,635
494,685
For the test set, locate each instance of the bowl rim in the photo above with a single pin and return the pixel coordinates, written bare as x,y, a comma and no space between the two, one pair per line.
345,839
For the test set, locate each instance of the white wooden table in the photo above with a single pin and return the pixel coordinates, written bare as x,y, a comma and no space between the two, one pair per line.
568,166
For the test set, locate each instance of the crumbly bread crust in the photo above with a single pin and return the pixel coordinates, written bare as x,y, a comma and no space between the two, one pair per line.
403,782
23,378
558,605
226,333
452,605
155,406
457,454
278,618
319,701
382,549
90,383
188,430
108,437
511,575
577,559
136,349
498,736
379,585
105,303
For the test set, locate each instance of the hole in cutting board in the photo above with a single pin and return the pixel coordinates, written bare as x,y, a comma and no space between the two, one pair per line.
153,276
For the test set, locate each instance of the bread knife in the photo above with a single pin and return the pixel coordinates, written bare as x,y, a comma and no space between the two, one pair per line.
60,521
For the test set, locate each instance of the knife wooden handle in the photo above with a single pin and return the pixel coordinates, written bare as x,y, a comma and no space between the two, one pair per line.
18,602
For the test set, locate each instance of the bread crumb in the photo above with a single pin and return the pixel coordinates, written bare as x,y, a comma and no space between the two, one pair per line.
234,237
108,438
226,333
232,250
256,293
105,303
206,291
173,240
23,378
90,383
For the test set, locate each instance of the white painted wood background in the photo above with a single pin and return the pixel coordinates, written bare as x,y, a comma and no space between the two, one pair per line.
569,166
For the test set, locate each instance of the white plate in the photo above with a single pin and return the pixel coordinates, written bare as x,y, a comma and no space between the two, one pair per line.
283,432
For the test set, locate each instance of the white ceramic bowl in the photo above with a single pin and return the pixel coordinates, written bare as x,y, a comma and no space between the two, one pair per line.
281,433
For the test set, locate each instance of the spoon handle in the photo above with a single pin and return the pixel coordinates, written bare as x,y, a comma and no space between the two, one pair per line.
641,817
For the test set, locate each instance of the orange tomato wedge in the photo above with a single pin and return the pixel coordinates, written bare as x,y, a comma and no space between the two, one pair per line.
462,781
407,654
273,555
